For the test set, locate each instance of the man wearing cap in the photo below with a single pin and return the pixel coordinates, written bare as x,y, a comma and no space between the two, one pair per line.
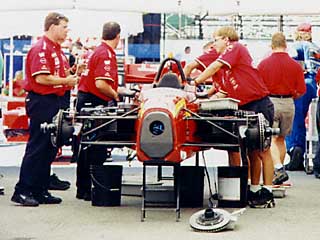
308,55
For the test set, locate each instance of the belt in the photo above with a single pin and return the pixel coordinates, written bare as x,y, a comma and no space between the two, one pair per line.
43,95
280,96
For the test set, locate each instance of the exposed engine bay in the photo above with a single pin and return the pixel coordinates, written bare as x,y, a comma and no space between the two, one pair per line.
166,123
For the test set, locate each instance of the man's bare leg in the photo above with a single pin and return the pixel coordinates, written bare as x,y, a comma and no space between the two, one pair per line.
278,149
234,158
258,196
278,152
268,168
255,168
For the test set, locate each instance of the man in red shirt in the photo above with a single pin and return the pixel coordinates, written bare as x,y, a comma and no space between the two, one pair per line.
98,86
46,80
284,78
242,81
201,63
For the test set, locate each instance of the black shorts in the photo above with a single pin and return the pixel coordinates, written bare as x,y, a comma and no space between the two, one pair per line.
263,105
89,100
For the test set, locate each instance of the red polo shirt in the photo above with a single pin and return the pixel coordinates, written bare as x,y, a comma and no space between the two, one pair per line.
282,75
241,80
45,57
102,65
204,61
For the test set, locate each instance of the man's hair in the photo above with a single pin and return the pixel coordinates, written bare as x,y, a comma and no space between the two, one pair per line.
228,32
77,44
278,40
303,36
110,30
55,19
208,44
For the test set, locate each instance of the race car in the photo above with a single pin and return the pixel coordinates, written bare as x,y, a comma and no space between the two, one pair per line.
166,122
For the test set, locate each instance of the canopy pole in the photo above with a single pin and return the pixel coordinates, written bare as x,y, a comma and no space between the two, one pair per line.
163,45
11,68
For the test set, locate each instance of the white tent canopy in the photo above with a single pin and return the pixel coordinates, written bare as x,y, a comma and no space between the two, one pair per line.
279,7
33,5
149,6
81,23
21,17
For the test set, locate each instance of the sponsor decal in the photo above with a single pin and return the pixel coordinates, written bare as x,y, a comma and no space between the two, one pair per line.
43,60
107,68
107,62
54,55
44,67
234,83
179,105
41,54
107,74
56,61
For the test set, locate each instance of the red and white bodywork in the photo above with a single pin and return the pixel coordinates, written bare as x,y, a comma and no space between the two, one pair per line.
161,126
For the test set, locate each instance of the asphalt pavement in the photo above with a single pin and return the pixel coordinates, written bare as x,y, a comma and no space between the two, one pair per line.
295,217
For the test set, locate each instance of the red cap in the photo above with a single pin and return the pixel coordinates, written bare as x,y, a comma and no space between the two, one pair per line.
304,27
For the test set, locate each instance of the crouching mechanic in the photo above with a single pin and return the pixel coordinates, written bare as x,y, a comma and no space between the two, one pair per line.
242,81
307,53
98,86
46,81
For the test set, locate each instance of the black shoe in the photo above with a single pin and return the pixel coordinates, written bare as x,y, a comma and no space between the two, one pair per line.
24,199
280,176
294,167
56,184
316,173
84,195
46,198
1,190
296,160
261,199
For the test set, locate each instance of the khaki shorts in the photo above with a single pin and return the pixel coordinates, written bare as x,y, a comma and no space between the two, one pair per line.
283,114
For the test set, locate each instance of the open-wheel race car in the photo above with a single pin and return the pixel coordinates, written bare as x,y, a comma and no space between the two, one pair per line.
166,124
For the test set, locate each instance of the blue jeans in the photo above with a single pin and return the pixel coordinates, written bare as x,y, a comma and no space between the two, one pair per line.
297,138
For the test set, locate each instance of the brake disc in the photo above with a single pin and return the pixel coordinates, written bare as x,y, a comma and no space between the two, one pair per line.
261,124
210,220
56,139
